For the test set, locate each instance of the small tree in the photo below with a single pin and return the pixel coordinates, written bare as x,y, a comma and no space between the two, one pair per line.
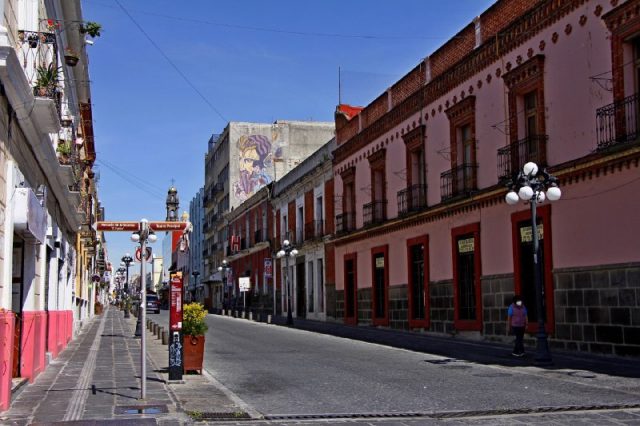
193,320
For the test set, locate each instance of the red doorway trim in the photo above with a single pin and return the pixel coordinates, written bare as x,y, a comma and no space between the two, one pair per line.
459,324
354,319
383,321
544,213
419,323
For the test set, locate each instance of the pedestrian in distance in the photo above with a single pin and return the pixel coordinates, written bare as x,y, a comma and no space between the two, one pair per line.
517,324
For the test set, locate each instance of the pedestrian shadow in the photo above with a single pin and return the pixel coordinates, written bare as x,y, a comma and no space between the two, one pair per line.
95,390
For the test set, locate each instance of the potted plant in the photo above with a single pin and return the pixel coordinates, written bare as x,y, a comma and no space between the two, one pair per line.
63,150
71,57
91,28
194,328
47,79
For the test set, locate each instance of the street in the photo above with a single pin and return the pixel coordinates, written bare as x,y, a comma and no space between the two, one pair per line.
286,372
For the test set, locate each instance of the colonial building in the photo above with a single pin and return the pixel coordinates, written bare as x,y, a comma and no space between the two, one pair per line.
424,238
51,259
239,162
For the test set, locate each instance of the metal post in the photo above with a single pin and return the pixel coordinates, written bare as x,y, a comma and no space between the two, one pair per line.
126,303
543,356
286,274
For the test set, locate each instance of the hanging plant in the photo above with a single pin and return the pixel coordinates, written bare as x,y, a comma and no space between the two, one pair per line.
91,28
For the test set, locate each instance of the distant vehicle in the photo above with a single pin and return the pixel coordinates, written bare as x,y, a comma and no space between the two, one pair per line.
153,304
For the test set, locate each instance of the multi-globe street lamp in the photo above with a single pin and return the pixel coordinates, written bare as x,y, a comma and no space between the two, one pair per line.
126,262
534,185
224,269
120,272
288,251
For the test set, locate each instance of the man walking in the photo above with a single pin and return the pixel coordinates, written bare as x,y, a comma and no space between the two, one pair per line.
517,324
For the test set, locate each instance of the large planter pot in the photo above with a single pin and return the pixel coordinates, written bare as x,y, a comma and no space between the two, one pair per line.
193,347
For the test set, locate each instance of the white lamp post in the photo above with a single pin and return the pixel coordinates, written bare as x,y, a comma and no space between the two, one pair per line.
287,251
531,184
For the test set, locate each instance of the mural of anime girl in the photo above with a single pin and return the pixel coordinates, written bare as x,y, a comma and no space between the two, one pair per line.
255,165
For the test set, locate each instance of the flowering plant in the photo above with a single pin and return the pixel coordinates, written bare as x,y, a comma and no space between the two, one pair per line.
193,323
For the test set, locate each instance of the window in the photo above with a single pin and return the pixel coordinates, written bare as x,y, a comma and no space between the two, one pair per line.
461,179
350,290
376,210
320,281
311,283
466,277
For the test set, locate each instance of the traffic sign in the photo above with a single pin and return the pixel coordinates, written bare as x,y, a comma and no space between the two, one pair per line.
147,254
125,226
245,284
167,226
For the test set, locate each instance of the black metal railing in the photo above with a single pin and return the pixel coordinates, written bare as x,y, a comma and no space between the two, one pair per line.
258,236
345,222
458,181
218,188
617,123
412,199
314,229
512,157
374,212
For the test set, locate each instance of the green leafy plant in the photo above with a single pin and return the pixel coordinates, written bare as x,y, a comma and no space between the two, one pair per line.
193,320
91,28
64,148
47,77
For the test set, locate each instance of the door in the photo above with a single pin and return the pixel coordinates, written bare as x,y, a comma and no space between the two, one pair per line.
17,289
301,291
380,285
350,290
418,281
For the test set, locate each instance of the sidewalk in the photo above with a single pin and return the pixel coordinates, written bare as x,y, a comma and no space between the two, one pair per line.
97,378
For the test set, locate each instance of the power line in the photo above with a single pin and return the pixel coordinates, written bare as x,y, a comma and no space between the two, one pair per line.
175,67
124,171
138,185
279,31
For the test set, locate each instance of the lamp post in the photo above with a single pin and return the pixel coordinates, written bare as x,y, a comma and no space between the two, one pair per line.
224,268
195,283
143,236
288,251
531,185
120,271
126,261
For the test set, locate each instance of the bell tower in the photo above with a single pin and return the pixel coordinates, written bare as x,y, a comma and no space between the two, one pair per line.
173,203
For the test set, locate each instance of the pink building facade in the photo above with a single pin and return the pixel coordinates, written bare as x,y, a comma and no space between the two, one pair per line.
423,237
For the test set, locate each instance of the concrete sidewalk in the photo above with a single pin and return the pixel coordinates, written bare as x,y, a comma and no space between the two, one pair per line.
96,380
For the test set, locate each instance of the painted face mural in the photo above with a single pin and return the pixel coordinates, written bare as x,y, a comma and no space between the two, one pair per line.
255,165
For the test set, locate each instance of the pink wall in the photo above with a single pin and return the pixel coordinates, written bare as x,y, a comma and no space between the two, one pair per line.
7,330
57,331
32,351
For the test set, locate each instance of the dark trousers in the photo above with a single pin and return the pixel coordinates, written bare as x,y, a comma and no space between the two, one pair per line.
519,346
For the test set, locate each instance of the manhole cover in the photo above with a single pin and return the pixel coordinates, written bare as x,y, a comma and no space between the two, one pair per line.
141,409
240,415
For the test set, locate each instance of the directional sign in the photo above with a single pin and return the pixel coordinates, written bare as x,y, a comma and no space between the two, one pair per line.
167,226
118,226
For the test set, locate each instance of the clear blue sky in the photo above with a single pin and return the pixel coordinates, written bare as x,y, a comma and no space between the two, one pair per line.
249,60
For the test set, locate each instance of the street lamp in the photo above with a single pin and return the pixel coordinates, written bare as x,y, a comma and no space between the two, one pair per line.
531,184
225,268
126,261
195,283
120,272
288,251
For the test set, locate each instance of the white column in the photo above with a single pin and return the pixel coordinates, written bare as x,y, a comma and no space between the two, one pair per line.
7,243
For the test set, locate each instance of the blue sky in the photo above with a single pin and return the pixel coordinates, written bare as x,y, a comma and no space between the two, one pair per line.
248,60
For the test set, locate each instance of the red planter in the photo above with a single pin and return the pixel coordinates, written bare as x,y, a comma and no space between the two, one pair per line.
193,347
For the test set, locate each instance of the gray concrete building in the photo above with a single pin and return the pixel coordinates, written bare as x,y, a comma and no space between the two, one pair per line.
238,163
196,266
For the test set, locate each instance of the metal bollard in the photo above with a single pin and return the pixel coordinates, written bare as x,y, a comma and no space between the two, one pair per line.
268,319
250,316
159,333
165,337
154,328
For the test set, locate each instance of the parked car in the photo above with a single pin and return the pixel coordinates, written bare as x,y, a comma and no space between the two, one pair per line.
153,304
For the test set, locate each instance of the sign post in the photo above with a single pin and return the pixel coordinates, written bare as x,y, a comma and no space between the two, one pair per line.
175,328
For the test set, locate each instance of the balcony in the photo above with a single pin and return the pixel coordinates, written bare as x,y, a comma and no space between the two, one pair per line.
374,213
218,188
511,158
258,236
314,230
412,199
617,123
38,54
345,222
459,181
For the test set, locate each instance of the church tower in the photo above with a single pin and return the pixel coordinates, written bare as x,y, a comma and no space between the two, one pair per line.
173,203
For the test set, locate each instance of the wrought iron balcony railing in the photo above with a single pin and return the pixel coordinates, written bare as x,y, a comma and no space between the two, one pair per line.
617,123
374,212
313,229
259,236
458,181
412,199
345,222
511,158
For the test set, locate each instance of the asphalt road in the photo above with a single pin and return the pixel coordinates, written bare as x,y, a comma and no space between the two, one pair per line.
282,371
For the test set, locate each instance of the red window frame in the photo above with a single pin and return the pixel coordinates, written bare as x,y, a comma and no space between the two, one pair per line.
351,320
426,322
544,213
383,321
473,325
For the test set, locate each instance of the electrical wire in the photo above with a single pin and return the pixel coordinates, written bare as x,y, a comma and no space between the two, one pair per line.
138,185
173,65
124,171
